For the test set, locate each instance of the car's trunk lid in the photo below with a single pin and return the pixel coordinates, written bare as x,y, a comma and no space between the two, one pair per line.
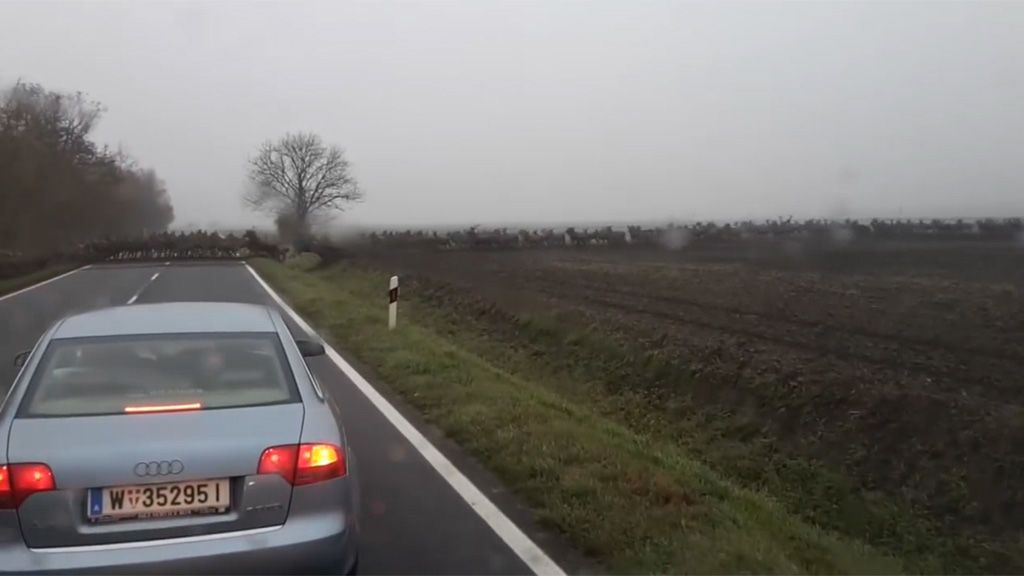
89,452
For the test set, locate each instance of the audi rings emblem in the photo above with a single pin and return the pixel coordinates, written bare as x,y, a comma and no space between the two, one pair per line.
159,468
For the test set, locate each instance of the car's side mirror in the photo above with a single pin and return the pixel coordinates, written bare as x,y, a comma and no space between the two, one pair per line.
21,357
310,347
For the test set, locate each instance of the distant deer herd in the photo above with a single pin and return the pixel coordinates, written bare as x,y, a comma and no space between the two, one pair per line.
203,244
675,236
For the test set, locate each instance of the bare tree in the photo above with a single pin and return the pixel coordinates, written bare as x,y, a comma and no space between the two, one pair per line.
58,188
298,177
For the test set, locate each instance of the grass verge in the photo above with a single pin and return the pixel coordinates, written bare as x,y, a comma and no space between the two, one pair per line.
635,502
8,285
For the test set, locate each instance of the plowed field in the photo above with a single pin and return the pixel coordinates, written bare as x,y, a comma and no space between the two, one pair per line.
896,367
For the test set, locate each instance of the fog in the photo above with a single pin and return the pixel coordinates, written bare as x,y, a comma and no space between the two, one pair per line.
490,112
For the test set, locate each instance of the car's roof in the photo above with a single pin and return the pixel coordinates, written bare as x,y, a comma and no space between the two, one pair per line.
173,317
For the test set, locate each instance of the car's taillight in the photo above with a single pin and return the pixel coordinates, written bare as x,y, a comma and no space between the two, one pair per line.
279,460
318,462
6,493
19,481
304,463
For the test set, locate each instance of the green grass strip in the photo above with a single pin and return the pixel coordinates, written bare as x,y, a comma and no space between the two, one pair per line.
16,283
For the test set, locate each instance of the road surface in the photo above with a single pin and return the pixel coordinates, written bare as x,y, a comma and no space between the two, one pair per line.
412,519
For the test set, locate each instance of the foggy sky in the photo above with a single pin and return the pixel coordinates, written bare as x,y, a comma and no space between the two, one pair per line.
489,112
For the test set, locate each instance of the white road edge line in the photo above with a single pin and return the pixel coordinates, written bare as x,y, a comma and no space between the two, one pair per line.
531,554
47,281
144,286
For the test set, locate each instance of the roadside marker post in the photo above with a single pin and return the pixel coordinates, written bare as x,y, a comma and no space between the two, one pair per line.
393,303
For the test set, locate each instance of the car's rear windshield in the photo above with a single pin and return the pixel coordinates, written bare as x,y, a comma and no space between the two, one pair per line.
133,374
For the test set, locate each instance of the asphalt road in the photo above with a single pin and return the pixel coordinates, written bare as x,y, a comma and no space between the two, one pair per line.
412,520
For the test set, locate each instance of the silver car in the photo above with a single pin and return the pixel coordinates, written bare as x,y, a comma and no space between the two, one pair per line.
181,437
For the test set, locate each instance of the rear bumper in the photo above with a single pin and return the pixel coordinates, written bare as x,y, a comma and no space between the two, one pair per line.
321,543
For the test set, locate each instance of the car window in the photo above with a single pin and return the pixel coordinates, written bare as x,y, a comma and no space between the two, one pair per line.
116,375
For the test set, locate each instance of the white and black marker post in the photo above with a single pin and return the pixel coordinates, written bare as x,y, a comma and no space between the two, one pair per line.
393,303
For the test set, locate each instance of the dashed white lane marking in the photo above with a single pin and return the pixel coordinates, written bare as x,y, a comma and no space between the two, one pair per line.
44,282
531,554
144,286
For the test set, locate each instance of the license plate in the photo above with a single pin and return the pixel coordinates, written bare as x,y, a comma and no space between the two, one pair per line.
159,500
